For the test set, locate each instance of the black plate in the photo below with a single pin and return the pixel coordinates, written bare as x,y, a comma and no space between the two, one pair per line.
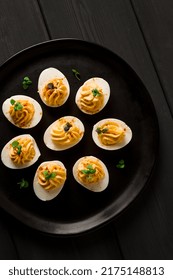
76,209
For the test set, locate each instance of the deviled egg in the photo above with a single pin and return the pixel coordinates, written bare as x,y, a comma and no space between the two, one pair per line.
91,173
53,87
20,152
64,133
93,95
22,111
49,179
111,134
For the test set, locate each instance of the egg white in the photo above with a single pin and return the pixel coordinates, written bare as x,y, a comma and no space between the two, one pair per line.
103,84
47,135
127,138
37,115
39,191
46,76
6,150
95,187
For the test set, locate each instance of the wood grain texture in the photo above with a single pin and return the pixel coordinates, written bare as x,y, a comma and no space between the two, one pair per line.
155,20
20,26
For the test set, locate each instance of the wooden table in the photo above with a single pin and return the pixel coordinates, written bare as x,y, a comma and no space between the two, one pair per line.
141,33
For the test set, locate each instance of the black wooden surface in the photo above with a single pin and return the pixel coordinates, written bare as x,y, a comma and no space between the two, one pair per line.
141,33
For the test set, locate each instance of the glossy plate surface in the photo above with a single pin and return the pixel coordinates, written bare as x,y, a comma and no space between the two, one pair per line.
75,209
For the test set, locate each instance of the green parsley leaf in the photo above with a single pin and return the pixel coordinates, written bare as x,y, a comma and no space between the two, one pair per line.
23,184
48,175
89,170
76,74
95,92
50,86
17,105
26,82
15,145
99,130
121,164
12,101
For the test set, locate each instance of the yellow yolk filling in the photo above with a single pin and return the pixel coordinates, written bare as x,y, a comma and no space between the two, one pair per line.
23,116
55,178
95,176
55,92
65,133
110,133
89,101
24,152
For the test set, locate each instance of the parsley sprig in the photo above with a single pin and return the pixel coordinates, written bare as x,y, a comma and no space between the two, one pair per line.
121,164
99,130
76,74
15,145
17,105
26,82
67,126
23,184
95,92
49,175
89,170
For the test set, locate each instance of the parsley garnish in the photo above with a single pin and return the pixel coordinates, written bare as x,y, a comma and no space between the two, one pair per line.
15,145
121,164
67,126
95,92
99,130
17,105
26,82
49,175
89,170
23,184
76,74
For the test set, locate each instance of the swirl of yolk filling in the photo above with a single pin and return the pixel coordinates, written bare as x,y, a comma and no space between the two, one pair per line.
51,176
55,92
91,99
110,133
23,152
65,133
22,117
90,171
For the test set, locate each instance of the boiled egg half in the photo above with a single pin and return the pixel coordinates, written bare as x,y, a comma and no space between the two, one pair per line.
22,111
91,173
49,179
53,87
93,95
20,152
111,134
64,133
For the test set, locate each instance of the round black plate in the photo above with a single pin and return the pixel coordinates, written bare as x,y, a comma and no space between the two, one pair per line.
76,209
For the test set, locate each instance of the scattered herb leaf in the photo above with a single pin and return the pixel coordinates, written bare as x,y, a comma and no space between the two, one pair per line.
49,175
121,164
23,184
67,126
76,74
26,82
99,130
15,145
95,92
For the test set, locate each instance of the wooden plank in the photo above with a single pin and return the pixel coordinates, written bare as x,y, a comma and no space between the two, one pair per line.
115,26
155,20
21,26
